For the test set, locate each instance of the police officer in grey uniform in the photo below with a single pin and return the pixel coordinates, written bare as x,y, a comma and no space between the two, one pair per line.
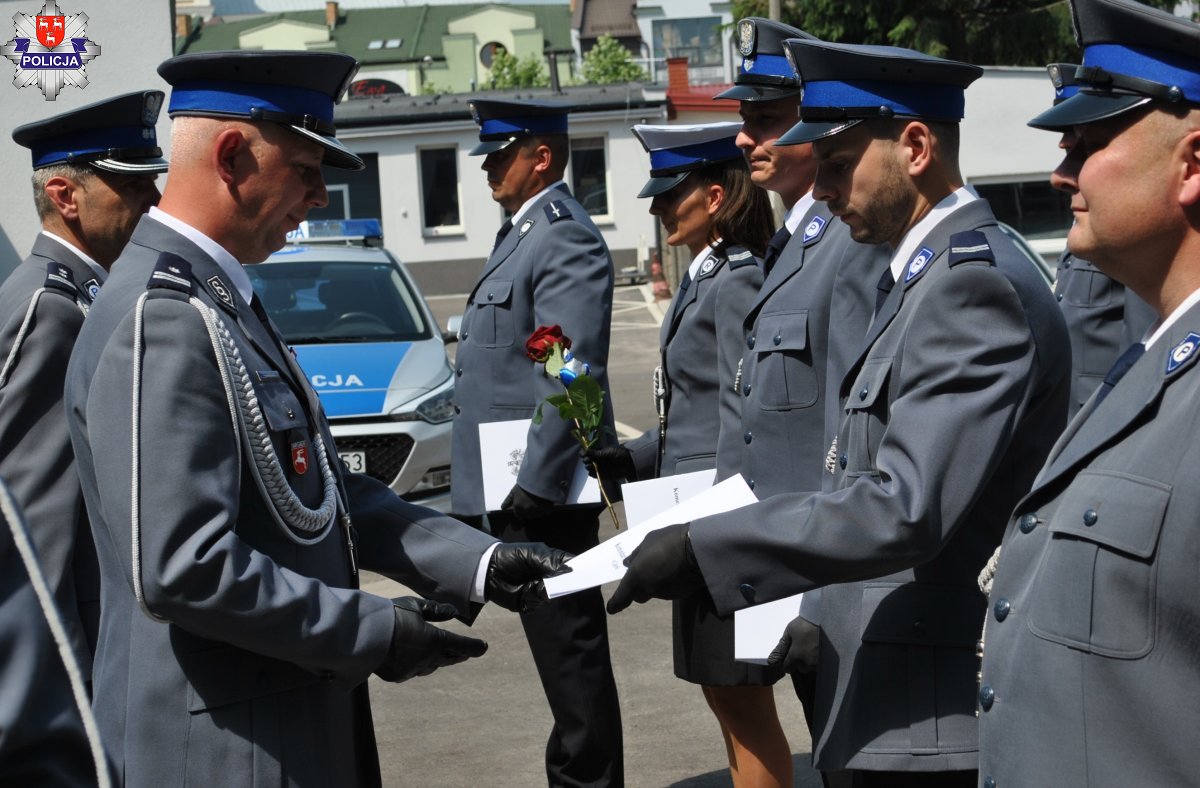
1103,317
1090,665
549,266
963,381
93,177
234,643
47,731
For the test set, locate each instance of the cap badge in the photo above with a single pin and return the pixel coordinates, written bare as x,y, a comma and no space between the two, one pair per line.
746,38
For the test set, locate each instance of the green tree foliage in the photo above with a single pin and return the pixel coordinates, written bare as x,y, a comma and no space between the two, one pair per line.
985,32
608,62
509,72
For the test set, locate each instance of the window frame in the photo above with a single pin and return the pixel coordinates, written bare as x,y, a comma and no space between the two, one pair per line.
442,230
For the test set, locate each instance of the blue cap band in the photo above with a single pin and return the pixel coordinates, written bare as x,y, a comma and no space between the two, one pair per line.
766,66
239,98
1155,65
519,125
685,156
919,99
59,149
1065,92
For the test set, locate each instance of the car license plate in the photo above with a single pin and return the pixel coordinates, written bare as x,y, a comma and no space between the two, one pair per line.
356,461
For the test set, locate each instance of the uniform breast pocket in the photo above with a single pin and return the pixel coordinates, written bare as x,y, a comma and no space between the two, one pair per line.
492,325
279,403
1087,288
1095,586
786,376
866,418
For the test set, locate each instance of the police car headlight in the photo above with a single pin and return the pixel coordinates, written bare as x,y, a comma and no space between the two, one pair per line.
437,408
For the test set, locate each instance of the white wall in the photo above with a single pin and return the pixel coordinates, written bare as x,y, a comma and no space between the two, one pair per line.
996,143
134,37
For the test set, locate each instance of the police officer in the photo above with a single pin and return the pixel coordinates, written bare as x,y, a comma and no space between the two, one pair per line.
1090,663
1103,317
808,322
93,177
549,266
962,381
234,643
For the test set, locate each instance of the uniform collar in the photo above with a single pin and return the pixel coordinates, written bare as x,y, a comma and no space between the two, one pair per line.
97,269
227,262
913,238
524,209
705,253
798,211
1156,332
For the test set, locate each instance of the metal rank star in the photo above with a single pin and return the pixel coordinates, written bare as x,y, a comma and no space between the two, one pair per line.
50,49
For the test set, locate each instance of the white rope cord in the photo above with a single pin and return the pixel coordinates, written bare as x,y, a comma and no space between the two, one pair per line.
989,573
74,677
15,350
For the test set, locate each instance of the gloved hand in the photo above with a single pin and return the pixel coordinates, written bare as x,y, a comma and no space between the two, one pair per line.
798,648
612,462
662,567
526,507
515,572
419,648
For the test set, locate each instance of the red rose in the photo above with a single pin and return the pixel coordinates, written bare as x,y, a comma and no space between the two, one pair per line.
542,341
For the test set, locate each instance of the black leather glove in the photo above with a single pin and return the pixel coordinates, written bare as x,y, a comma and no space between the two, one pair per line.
419,648
662,567
798,648
515,572
612,462
526,507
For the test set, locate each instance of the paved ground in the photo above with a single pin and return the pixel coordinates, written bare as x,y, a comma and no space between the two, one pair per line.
484,723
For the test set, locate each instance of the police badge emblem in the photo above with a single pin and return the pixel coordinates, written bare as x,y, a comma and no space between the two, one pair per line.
300,457
746,39
708,265
918,263
1183,351
219,289
50,50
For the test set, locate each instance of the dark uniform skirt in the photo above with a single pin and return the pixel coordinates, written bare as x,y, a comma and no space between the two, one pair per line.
703,643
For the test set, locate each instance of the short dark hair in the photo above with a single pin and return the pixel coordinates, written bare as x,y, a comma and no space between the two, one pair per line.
560,149
945,131
744,217
80,173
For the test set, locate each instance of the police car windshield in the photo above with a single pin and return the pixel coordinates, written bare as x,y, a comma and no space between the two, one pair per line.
333,302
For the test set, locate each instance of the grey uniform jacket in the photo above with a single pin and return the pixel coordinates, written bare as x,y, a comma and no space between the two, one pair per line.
1092,656
35,449
949,410
43,701
229,653
701,347
551,269
800,335
1103,318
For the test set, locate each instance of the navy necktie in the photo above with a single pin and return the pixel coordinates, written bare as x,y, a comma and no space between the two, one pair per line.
884,288
1119,368
504,230
775,248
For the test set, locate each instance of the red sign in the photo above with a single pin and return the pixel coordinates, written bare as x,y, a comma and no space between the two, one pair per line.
300,457
51,30
366,88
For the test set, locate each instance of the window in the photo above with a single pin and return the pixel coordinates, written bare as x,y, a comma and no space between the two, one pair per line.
699,40
439,191
488,53
339,203
588,175
1035,208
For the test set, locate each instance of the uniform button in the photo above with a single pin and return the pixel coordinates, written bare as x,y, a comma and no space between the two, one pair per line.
777,339
291,414
490,296
989,782
747,591
750,484
459,373
918,629
842,462
749,436
750,342
464,336
1001,609
862,392
1027,522
1058,297
1066,263
746,390
457,410
563,484
1090,517
987,696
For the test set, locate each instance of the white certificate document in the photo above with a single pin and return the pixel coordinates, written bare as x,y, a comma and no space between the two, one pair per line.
757,629
646,499
606,562
501,449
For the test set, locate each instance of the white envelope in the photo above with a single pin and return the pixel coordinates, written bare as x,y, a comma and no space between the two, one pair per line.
757,629
646,499
606,562
501,449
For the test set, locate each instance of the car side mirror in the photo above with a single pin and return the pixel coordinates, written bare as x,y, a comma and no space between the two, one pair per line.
453,326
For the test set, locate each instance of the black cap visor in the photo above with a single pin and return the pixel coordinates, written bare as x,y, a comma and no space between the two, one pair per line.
749,92
662,183
149,165
809,130
1084,108
336,154
491,146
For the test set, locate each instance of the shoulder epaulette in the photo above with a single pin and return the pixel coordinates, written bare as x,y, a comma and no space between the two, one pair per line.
970,246
172,272
557,210
60,278
740,256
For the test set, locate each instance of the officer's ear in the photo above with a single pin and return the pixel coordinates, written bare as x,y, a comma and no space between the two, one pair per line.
1189,151
715,194
916,147
228,151
63,193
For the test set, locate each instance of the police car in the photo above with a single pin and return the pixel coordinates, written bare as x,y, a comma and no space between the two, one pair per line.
371,349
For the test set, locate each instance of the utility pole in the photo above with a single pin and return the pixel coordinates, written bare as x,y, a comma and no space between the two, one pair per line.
773,10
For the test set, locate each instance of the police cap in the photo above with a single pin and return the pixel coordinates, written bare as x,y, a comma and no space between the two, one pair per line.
845,84
764,73
1132,55
677,150
116,135
296,90
1062,75
503,122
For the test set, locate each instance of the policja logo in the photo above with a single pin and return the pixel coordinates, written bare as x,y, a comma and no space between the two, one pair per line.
50,49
